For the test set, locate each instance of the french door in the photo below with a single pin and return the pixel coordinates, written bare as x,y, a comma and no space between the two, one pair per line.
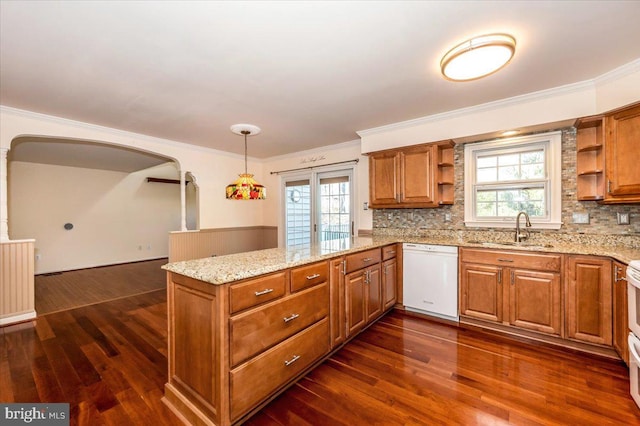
318,206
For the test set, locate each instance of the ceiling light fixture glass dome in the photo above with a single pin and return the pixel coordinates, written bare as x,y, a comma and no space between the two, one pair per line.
478,57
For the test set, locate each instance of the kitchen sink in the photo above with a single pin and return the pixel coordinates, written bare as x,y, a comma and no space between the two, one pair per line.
512,244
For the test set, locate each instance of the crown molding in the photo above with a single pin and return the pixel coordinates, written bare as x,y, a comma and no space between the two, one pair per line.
618,73
112,131
515,100
312,151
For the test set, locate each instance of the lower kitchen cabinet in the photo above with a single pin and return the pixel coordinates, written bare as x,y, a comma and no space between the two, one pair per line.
363,297
588,299
481,291
518,289
337,302
620,311
389,283
391,274
534,301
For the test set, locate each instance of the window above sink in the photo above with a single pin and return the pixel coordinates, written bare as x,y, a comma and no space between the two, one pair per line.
506,176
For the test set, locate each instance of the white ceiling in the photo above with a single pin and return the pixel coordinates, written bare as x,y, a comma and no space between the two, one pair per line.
89,155
309,74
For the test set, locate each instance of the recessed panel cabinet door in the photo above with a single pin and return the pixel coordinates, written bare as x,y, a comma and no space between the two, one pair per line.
623,155
620,311
355,301
588,299
417,183
384,175
374,293
389,271
481,292
535,300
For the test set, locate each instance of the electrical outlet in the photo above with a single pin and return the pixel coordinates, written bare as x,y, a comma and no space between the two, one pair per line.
623,218
447,217
38,257
581,218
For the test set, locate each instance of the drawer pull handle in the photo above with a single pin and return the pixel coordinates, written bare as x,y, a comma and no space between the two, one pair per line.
313,277
265,291
367,259
292,360
505,260
291,318
391,252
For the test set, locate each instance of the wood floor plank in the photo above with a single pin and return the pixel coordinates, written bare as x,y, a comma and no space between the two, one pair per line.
109,362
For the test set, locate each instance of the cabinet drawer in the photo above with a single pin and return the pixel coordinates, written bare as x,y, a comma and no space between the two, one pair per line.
362,259
518,259
389,252
258,291
253,331
255,380
308,276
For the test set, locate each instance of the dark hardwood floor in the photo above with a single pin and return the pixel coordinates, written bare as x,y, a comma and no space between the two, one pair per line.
108,361
62,291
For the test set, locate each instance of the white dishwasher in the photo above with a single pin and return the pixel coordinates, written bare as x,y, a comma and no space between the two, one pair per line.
430,279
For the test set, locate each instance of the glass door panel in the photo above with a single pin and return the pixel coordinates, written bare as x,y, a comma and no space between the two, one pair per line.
297,212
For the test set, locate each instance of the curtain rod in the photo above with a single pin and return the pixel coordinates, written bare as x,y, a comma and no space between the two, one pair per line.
314,167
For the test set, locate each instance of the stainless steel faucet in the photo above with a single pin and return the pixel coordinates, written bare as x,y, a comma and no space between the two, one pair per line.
522,236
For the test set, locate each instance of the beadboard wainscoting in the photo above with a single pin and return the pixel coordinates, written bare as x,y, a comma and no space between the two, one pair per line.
17,302
189,245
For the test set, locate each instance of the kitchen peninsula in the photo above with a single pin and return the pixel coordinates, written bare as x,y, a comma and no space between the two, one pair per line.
243,327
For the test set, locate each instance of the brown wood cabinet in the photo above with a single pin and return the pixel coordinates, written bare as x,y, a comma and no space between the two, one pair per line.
420,176
620,311
588,299
518,289
231,346
607,156
364,289
337,296
390,275
622,144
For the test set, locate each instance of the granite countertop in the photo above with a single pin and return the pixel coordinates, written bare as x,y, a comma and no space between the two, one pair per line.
234,267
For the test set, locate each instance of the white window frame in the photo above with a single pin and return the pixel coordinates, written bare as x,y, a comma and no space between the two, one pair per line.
551,143
312,175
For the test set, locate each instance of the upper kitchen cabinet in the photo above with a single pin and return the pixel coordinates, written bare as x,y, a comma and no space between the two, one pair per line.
415,177
622,146
607,157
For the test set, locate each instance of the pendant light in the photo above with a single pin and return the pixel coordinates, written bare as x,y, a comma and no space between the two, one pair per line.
245,187
478,57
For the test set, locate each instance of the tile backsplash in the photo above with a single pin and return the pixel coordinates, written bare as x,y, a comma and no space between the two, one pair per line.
603,218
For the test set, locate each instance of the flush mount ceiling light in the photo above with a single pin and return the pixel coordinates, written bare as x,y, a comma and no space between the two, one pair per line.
478,57
245,187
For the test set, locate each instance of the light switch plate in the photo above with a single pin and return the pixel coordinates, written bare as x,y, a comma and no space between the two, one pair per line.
623,218
581,218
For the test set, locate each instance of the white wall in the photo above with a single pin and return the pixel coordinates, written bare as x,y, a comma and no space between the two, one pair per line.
117,217
274,206
212,169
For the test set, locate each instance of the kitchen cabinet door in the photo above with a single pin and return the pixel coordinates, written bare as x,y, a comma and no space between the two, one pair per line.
623,155
337,302
588,299
481,291
620,311
417,177
389,282
356,292
373,302
384,178
535,300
